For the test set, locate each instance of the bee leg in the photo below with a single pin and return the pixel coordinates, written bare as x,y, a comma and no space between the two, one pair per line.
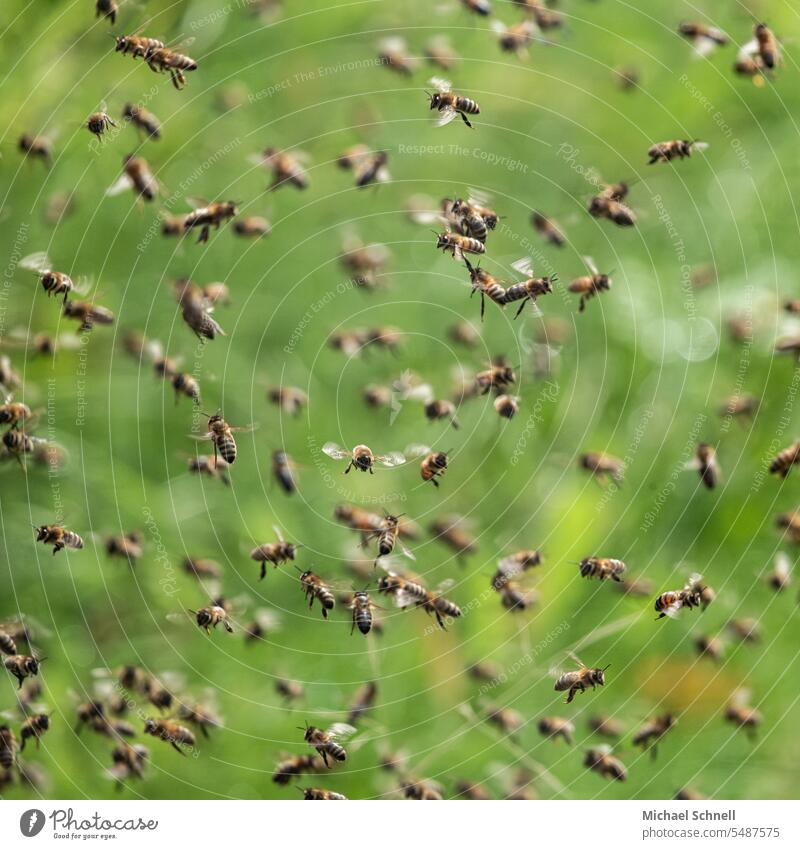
435,482
483,305
465,120
349,466
582,306
263,571
521,307
228,627
177,747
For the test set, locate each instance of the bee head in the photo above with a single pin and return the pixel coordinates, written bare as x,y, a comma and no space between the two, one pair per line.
149,726
122,42
41,532
599,676
436,99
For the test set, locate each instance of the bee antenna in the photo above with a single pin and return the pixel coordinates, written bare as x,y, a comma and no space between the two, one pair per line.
606,667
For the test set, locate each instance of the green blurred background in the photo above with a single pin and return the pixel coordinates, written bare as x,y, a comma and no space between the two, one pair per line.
641,375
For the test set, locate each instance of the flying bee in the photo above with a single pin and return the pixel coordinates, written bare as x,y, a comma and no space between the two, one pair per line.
742,715
58,536
17,443
706,465
548,229
499,376
785,459
88,314
136,175
319,794
704,38
364,263
603,466
170,732
210,466
710,647
544,17
393,52
363,702
516,38
200,715
14,413
439,52
554,727
106,9
263,623
452,532
289,690
9,378
372,169
627,77
37,147
750,65
22,666
739,405
213,614
252,227
361,457
173,225
283,470
518,562
766,46
779,578
186,384
677,149
368,524
275,553
653,731
8,747
468,790
7,643
601,761
293,766
513,595
790,523
449,104
406,593
590,285
484,670
530,289
127,546
327,742
197,314
507,406
53,282
210,215
99,122
689,794
137,45
387,534
145,122
607,203
606,726
161,59
506,720
433,465
580,679
361,607
478,7
315,588
670,603
463,333
746,629
458,245
471,217
221,435
440,409
487,285
290,399
285,167
349,159
601,568
34,726
424,789
128,761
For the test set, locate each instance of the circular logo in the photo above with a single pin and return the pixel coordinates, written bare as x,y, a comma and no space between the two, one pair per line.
31,822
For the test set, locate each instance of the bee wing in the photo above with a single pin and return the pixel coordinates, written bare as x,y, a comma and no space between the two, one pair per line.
393,458
83,285
256,158
268,619
748,49
196,203
406,550
179,617
335,451
278,533
700,145
246,428
445,585
524,265
441,84
423,392
416,450
782,565
422,210
123,183
694,578
590,264
508,566
576,659
498,26
38,262
478,197
446,116
403,599
395,44
704,47
341,731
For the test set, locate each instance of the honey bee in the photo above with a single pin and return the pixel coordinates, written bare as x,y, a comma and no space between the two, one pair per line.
137,45
17,443
473,217
739,405
387,533
128,761
451,531
98,123
515,38
275,553
750,65
211,466
34,726
106,9
506,720
361,607
507,406
548,229
689,794
285,167
22,666
580,679
704,38
173,225
320,795
705,463
747,630
372,169
767,45
186,384
478,7
8,747
210,215
439,409
790,522
608,204
487,285
363,702
289,398
9,378
499,376
602,568
37,147
652,732
606,726
221,435
603,466
136,175
361,457
627,77
438,51
393,52
127,546
449,104
264,623
406,593
314,588
364,263
293,766
161,59
670,603
779,578
170,732
433,465
710,647
289,690
14,413
283,470
213,614
58,537
423,789
601,761
468,790
7,643
677,149
463,333
590,285
785,459
53,282
742,715
789,345
88,314
555,727
145,122
458,245
366,523
200,715
326,742
530,289
196,312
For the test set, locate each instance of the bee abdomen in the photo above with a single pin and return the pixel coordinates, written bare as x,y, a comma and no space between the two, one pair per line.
226,445
468,105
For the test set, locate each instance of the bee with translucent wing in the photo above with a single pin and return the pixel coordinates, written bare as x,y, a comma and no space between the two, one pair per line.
578,680
362,458
327,742
449,104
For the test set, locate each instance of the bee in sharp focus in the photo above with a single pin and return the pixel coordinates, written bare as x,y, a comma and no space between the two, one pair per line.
221,435
363,702
670,603
22,666
37,147
34,726
361,606
145,122
387,533
590,285
393,52
58,536
458,245
161,59
211,615
601,761
601,568
211,466
677,149
361,457
653,731
53,282
473,217
742,715
127,546
785,459
99,122
433,465
285,167
449,104
275,553
210,215
406,593
548,229
315,588
487,285
529,289
292,766
137,45
554,727
580,679
326,742
170,732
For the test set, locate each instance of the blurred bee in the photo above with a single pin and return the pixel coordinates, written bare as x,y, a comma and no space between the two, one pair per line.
361,457
127,546
161,59
275,553
506,720
98,123
747,630
53,282
221,435
507,406
479,7
767,46
606,726
326,742
293,766
548,229
350,158
128,761
406,593
790,522
423,789
363,702
361,607
677,149
37,147
515,38
670,603
136,175
439,52
285,167
742,715
13,413
253,227
201,716
608,204
463,333
211,615
458,245
145,122
790,345
58,536
705,463
474,792
17,443
603,763
689,794
137,45
602,568
213,467
372,169
196,312
364,263
530,289
22,666
290,399
88,314
779,578
518,562
170,732
739,405
449,104
264,623
318,794
210,215
555,727
471,217
173,225
749,65
499,376
704,38
652,732
439,409
434,463
8,747
9,378
106,9
283,470
710,647
393,52
580,679
289,690
590,285
627,77
544,17
356,518
34,726
186,384
314,588
451,531
785,459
